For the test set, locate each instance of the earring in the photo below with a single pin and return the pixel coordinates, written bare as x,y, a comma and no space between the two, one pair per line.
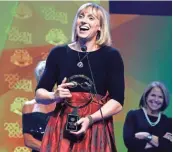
98,35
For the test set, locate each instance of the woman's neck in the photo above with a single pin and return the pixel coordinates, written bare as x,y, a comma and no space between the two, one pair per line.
90,45
152,112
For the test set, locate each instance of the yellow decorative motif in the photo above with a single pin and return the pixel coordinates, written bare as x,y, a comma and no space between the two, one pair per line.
44,55
15,83
14,130
21,58
56,37
16,36
17,105
85,1
50,13
22,11
96,1
11,79
21,149
24,84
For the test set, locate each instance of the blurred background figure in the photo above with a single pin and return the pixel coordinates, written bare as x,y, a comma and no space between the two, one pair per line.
35,116
148,129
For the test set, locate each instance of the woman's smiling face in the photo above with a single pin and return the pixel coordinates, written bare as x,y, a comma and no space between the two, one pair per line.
155,99
88,24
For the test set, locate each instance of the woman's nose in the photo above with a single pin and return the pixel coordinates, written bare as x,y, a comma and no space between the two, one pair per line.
156,99
83,21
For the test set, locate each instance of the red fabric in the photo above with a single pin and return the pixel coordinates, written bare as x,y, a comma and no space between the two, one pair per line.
94,140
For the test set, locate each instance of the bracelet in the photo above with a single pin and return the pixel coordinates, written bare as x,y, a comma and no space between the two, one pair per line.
149,138
90,120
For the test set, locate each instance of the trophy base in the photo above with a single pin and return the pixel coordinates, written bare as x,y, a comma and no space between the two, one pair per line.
71,120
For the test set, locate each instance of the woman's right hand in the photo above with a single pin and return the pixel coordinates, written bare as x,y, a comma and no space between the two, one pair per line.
62,91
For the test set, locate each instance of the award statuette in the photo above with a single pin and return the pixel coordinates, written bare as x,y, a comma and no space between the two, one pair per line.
71,121
86,84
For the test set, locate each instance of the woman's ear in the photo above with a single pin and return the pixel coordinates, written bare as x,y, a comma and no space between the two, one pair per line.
98,34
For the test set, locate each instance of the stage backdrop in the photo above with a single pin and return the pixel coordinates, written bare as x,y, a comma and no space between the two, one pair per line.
30,29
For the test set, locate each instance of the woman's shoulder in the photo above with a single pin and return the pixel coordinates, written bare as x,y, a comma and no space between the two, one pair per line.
58,49
28,106
166,122
112,53
166,118
134,112
110,49
56,52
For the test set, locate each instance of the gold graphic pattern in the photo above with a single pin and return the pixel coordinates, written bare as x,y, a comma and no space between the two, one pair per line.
16,36
21,149
56,37
24,84
14,130
21,58
50,13
11,79
17,105
22,11
85,1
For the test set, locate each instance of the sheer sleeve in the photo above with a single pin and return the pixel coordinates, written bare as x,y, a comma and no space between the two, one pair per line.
129,131
115,80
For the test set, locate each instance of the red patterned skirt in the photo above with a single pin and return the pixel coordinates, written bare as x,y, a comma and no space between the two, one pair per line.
98,137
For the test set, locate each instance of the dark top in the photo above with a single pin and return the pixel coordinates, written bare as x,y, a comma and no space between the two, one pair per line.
106,66
35,124
136,122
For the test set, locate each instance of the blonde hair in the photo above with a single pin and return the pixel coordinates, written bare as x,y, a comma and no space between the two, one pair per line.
39,70
104,36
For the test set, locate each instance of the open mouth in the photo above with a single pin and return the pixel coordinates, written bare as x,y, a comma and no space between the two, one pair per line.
84,28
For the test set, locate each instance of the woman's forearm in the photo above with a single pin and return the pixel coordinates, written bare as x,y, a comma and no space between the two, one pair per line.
31,142
111,108
45,97
154,141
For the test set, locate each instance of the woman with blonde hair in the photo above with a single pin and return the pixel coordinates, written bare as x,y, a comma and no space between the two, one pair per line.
90,78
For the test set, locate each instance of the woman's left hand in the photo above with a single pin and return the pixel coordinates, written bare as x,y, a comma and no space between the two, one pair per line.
84,122
142,135
168,136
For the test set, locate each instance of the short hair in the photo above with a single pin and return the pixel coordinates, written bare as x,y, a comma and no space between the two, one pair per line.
104,36
39,70
163,89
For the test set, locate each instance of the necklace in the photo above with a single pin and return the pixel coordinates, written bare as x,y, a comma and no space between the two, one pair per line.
80,63
151,123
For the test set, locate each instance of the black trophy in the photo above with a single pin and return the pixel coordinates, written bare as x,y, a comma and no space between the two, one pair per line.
71,121
73,117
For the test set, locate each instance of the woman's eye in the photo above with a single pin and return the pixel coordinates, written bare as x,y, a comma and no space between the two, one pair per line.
153,95
80,16
161,97
91,18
